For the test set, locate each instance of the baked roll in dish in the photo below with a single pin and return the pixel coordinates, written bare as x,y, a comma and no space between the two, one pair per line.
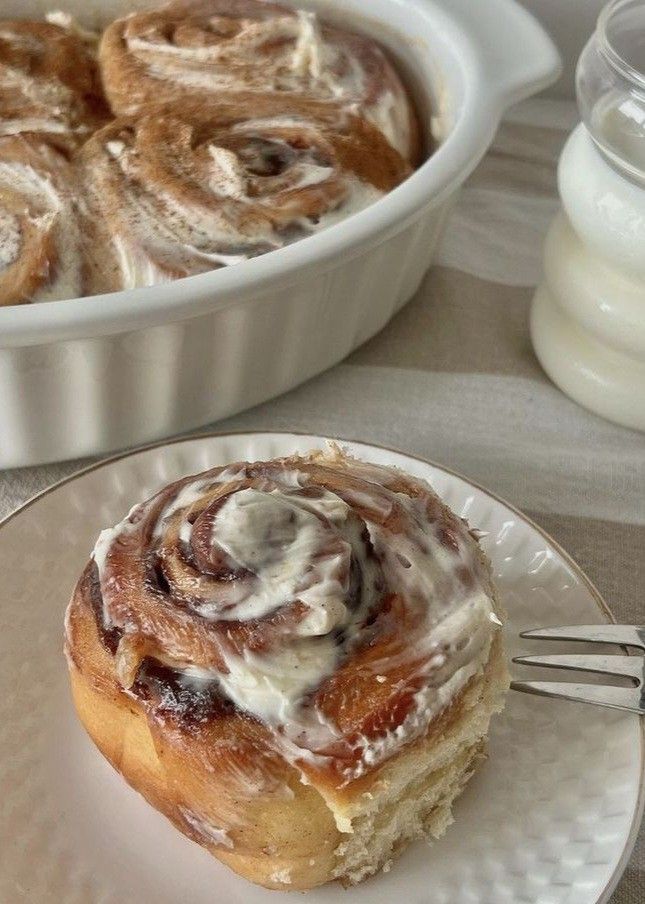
40,249
241,126
296,661
258,54
49,82
173,192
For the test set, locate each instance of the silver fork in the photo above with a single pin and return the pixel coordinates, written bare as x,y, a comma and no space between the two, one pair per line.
631,699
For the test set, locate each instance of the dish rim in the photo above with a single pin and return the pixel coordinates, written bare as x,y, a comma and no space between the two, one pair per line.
595,594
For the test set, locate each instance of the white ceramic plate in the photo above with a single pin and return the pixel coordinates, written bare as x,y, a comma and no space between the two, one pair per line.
549,818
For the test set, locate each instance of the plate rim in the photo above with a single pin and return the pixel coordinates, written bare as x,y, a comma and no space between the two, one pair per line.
596,595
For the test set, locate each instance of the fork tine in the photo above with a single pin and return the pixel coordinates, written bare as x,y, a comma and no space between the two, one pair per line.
627,635
626,698
623,666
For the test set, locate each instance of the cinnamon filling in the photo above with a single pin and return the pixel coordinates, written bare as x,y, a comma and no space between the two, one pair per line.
337,604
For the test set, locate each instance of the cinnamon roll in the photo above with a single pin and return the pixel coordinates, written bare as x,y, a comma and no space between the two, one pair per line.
40,256
295,661
171,194
259,55
49,82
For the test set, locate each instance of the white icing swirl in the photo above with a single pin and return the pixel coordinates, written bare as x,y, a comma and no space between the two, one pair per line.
205,830
49,83
40,257
10,239
174,199
262,548
241,49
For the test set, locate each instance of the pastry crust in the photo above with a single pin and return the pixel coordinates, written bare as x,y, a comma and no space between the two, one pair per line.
237,127
40,245
261,56
181,189
49,83
289,842
218,775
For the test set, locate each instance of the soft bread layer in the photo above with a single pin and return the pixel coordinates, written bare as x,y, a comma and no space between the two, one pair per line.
290,840
278,819
281,836
412,796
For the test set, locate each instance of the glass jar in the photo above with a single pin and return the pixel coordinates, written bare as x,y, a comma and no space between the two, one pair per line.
610,86
588,314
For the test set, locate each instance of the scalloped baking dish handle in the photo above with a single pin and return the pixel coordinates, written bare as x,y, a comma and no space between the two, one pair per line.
518,60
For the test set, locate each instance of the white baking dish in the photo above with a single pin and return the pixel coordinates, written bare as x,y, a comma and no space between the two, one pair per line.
94,374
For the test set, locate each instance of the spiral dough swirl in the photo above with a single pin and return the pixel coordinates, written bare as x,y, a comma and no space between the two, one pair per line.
284,588
255,53
241,127
179,194
40,257
49,82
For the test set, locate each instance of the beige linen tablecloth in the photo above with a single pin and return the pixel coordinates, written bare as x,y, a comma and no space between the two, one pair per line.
453,378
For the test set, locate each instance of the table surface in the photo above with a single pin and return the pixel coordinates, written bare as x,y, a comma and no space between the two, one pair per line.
453,378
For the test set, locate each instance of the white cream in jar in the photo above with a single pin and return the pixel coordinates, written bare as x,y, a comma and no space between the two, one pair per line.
588,316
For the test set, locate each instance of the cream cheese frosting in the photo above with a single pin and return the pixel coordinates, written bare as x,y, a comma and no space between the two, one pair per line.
266,544
226,51
40,257
174,198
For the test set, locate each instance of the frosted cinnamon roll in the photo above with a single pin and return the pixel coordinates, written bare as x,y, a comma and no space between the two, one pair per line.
260,55
170,195
295,660
40,258
49,82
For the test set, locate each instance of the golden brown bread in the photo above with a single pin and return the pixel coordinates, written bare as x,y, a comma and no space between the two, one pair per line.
178,191
49,83
242,126
288,841
40,256
286,808
261,56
